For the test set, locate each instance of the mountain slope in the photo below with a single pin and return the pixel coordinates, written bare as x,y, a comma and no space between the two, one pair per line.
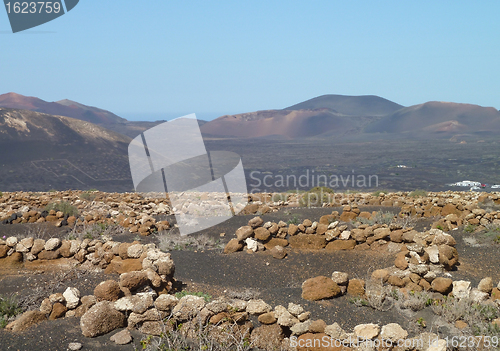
435,116
284,123
66,108
43,152
365,105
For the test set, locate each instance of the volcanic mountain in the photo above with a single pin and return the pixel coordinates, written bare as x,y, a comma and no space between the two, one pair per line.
442,117
336,114
66,108
42,151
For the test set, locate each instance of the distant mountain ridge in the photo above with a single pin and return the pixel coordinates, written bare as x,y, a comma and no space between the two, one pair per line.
364,105
66,108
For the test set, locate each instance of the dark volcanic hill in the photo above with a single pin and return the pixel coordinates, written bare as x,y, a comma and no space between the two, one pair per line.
42,152
443,117
66,108
365,105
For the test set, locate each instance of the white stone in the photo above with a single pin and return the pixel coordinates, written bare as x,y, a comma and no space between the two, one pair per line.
333,225
27,242
393,332
461,289
285,318
52,244
345,235
340,278
335,331
441,346
367,331
166,302
257,307
300,328
75,346
433,253
477,295
11,241
72,296
135,251
295,309
251,244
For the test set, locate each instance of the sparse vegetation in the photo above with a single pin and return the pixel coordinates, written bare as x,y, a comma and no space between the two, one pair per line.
470,228
169,241
379,192
492,231
95,231
316,196
181,294
222,336
63,206
293,220
9,307
418,193
379,217
88,195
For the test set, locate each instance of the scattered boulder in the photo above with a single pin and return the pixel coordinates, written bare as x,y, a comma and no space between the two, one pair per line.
319,288
101,319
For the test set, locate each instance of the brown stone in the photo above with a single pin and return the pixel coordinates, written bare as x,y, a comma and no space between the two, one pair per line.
397,236
122,250
3,251
27,320
64,250
348,216
267,318
319,288
58,311
461,324
292,229
133,280
108,290
232,246
244,232
380,275
317,326
424,284
396,281
327,219
321,229
400,261
261,234
308,241
267,337
450,209
495,294
14,260
442,285
278,252
49,255
356,287
341,245
255,222
275,242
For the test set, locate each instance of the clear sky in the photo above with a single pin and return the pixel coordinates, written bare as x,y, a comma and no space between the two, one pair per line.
146,59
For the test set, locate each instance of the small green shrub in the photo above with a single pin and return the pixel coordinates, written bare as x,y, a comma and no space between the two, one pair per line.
418,193
63,206
8,308
206,296
316,196
293,220
470,228
1,194
88,196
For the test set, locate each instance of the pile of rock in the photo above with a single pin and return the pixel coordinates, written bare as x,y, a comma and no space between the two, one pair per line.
104,253
328,233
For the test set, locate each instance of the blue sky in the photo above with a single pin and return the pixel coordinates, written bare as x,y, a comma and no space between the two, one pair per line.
161,59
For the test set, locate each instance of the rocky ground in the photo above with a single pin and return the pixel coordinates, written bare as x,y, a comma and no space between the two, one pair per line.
201,264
